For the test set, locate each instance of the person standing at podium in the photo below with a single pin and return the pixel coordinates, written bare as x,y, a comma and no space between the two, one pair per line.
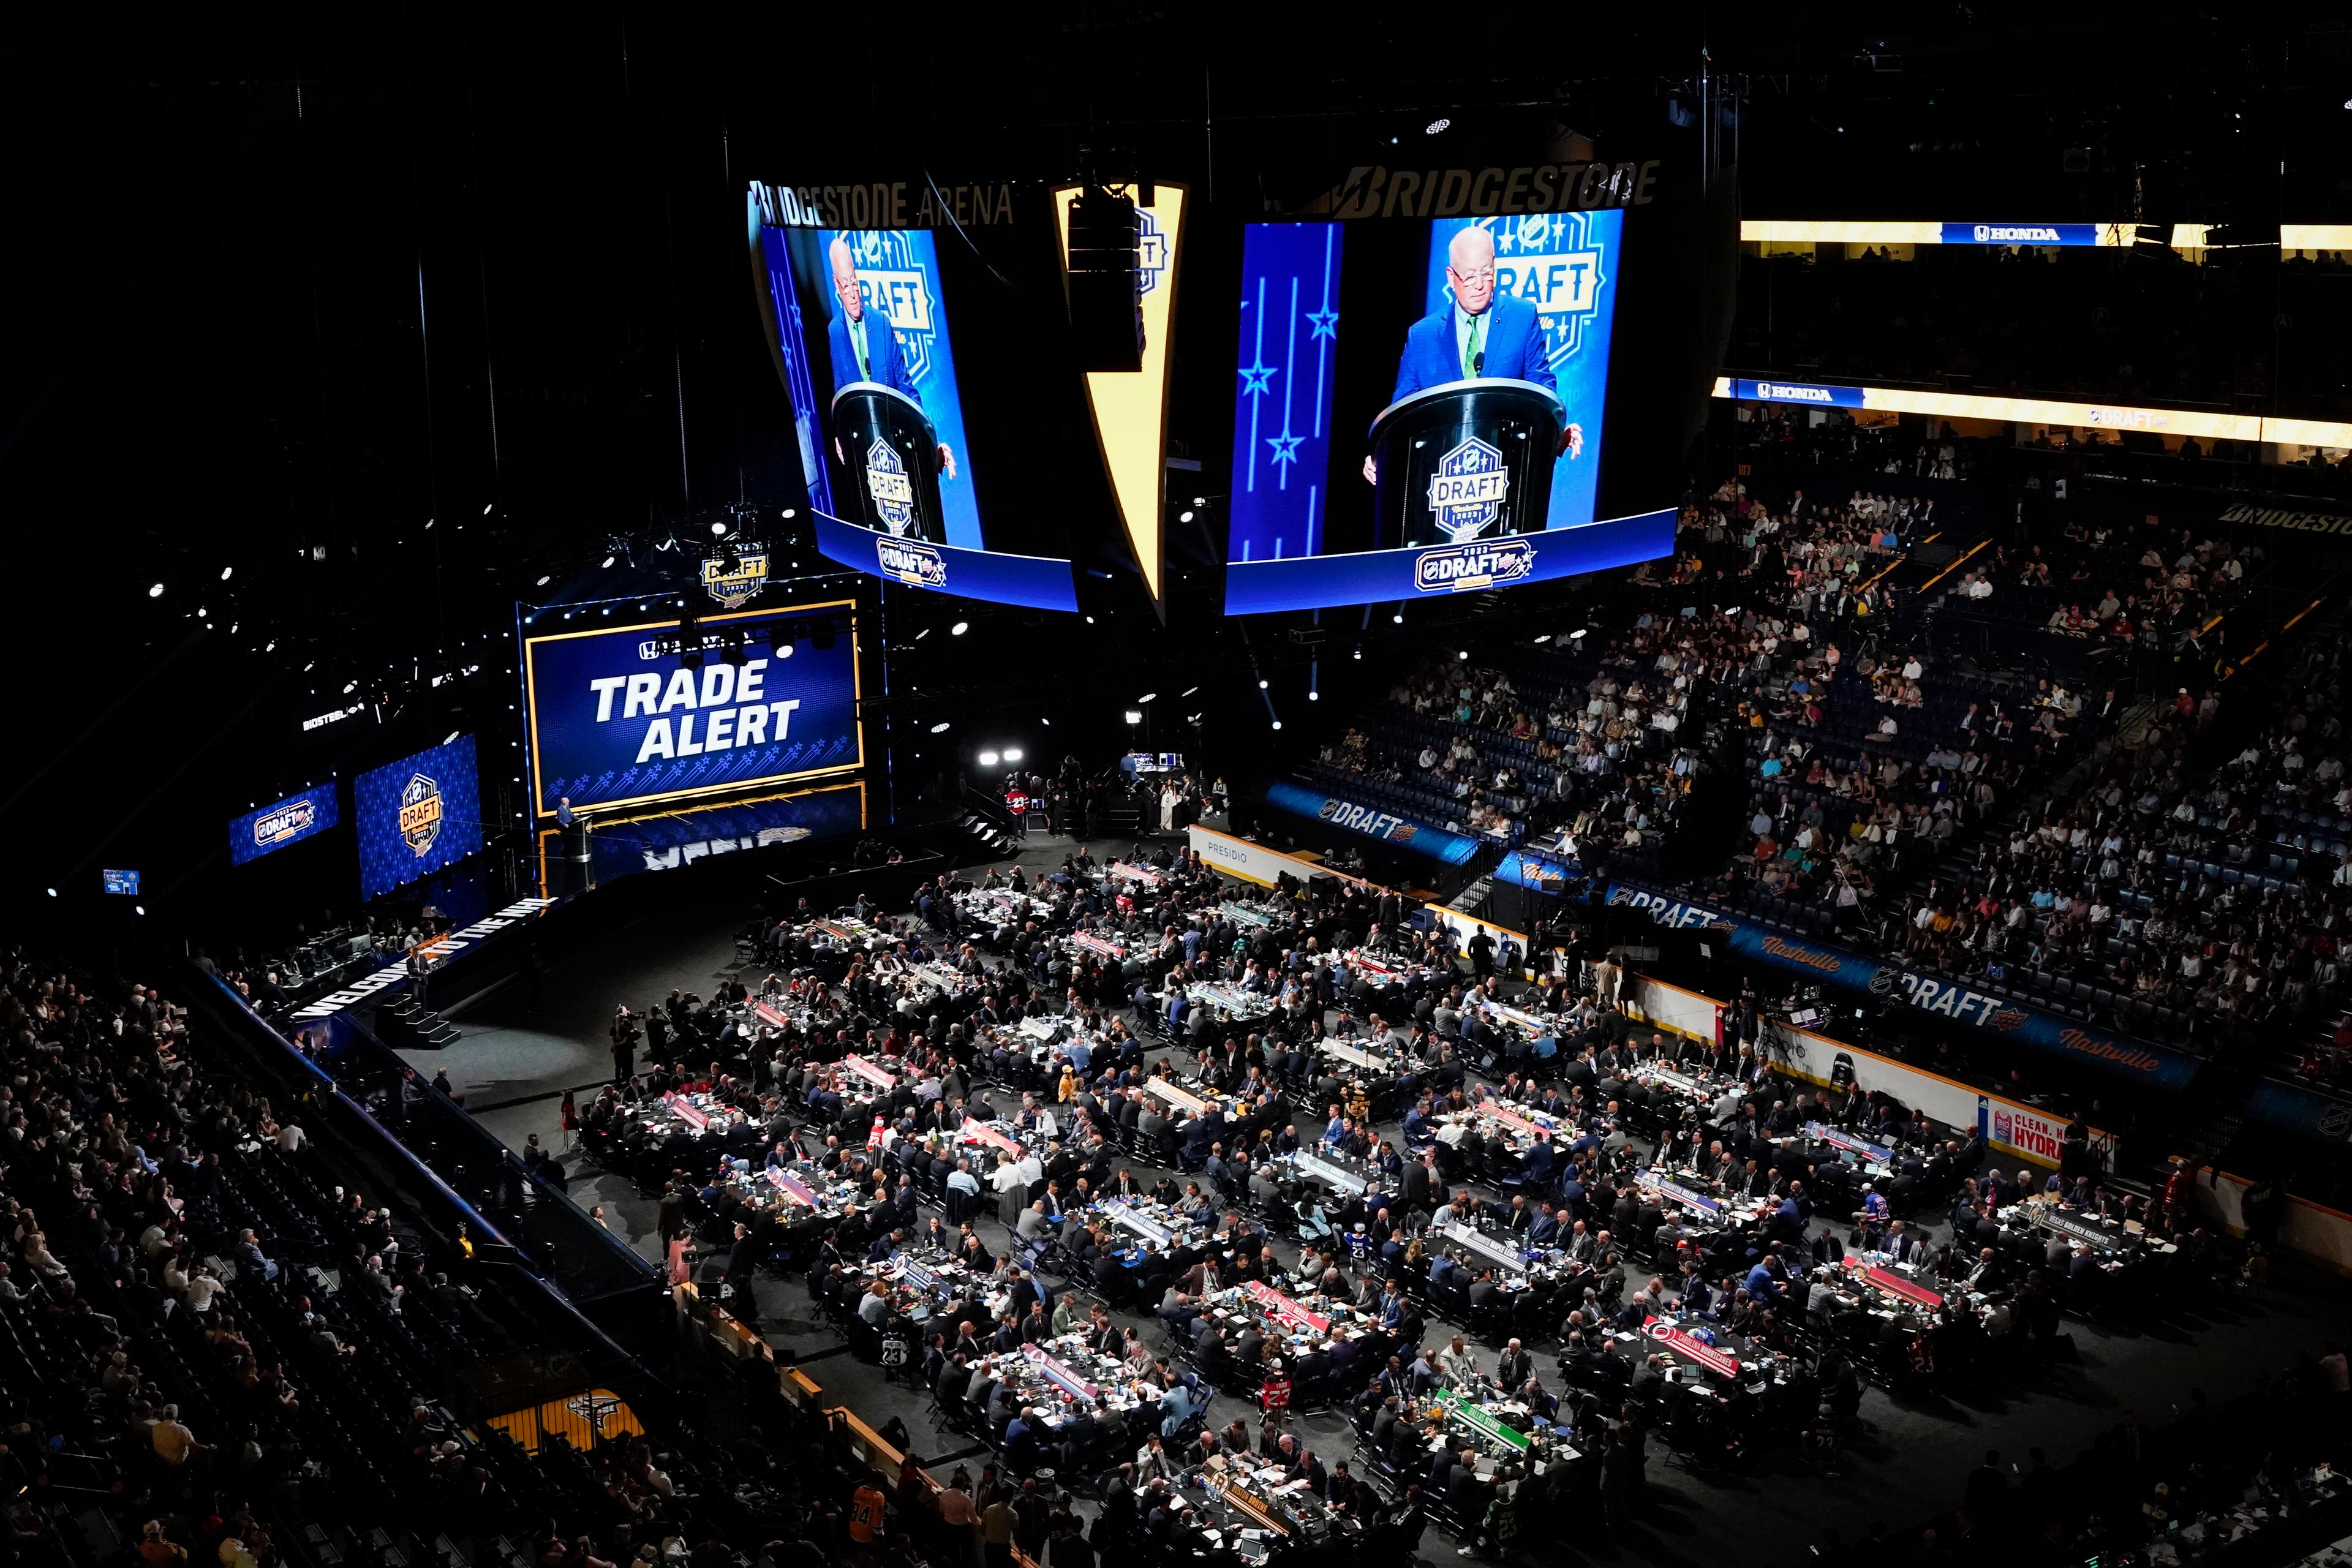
864,347
1479,334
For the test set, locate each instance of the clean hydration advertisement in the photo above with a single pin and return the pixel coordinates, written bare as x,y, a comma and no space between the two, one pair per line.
1469,356
281,822
627,715
416,815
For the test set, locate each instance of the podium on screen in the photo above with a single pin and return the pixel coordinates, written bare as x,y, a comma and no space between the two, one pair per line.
1463,461
891,456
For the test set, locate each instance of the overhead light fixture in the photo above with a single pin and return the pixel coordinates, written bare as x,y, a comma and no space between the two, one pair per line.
1436,125
486,509
156,590
228,571
1544,639
608,561
988,758
350,687
451,736
1575,635
1261,685
1465,653
1360,653
1012,754
790,513
1398,617
53,893
1188,691
1314,697
1048,722
1185,516
941,727
1135,715
1146,698
958,629
1278,723
719,528
543,581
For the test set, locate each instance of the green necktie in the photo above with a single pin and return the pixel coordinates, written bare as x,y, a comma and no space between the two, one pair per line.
1477,342
864,353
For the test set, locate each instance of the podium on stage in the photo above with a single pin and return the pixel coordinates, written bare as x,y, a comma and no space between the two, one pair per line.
891,456
1470,459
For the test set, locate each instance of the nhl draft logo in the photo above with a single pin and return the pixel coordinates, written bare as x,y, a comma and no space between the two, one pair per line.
288,822
887,482
1466,493
1151,252
1465,568
420,815
904,561
736,579
1553,262
898,287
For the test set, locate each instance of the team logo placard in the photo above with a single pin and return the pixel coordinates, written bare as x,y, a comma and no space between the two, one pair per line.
1150,251
735,580
1467,491
887,482
285,823
1462,568
420,815
905,561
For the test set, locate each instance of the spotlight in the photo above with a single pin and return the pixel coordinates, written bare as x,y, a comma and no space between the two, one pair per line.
941,727
1314,697
1465,653
788,514
1278,723
608,561
226,571
451,736
1545,638
1185,516
1188,691
270,647
543,581
486,510
1398,617
1135,716
1575,637
988,758
138,909
1261,686
1145,698
156,590
718,528
1048,722
350,687
1436,125
1012,754
1360,653
53,893
958,629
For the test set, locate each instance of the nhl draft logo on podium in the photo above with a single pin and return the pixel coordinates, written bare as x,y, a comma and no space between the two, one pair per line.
1466,493
887,482
420,815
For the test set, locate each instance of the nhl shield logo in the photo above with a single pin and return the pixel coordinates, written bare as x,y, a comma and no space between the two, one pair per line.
1553,261
420,815
1466,493
887,482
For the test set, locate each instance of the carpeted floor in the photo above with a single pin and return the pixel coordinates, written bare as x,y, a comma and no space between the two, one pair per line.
1907,1462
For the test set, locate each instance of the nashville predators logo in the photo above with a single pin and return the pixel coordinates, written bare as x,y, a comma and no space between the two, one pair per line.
420,815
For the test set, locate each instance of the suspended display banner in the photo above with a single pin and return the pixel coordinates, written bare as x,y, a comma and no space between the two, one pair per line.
2126,1058
1371,822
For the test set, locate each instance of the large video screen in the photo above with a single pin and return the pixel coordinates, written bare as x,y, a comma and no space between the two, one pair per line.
1420,409
861,324
622,716
416,815
281,822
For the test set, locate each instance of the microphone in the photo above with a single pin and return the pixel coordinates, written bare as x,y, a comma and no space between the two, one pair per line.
1478,362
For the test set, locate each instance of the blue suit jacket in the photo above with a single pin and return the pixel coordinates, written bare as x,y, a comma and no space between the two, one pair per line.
1514,349
881,348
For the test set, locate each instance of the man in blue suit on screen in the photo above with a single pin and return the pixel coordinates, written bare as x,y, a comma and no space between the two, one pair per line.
1480,333
864,347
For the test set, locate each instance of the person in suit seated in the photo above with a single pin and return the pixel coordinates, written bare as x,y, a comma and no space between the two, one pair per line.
1023,1451
1484,1292
862,344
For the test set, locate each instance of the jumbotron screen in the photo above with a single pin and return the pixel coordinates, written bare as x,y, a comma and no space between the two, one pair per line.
861,338
1420,408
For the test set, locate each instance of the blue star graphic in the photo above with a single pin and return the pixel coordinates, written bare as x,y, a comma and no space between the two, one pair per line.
1325,323
1507,237
1256,379
1285,446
